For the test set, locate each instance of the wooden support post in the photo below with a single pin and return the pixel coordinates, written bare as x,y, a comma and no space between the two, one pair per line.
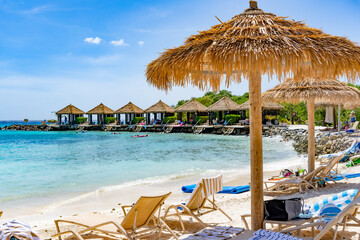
339,111
311,135
256,152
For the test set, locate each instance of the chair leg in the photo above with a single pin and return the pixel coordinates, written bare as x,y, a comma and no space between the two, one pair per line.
57,228
245,223
168,228
196,217
180,220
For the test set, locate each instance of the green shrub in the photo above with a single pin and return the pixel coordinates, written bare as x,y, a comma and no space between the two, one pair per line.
283,119
170,119
201,119
80,120
137,119
232,118
110,120
51,121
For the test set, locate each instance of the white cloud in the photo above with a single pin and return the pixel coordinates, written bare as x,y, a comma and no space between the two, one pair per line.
140,43
36,10
120,42
92,40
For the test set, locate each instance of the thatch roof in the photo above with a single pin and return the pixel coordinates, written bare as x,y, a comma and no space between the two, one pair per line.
254,42
192,106
130,108
70,109
224,104
160,107
266,105
101,109
322,91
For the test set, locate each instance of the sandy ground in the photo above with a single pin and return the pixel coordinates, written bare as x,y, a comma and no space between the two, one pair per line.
234,205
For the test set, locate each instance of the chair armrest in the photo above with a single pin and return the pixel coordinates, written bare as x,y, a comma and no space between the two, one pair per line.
243,218
124,208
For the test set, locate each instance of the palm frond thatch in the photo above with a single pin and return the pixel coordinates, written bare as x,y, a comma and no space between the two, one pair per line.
130,108
266,105
254,41
326,92
192,106
224,104
101,109
160,107
70,109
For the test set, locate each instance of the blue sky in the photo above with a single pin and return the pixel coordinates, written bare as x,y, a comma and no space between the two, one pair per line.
53,53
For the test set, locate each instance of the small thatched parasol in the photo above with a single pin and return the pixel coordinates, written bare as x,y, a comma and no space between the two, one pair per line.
250,45
313,91
70,109
101,109
266,105
224,104
160,107
130,108
191,106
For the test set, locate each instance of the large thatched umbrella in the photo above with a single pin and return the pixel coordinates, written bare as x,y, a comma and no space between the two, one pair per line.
313,91
248,46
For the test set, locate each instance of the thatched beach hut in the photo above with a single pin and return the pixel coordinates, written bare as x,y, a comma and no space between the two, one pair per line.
248,46
72,113
130,110
268,108
159,108
313,91
223,107
192,109
102,112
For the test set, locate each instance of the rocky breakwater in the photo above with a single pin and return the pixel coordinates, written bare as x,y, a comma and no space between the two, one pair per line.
25,127
325,142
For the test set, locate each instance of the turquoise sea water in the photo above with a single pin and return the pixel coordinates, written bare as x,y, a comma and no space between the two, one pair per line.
47,164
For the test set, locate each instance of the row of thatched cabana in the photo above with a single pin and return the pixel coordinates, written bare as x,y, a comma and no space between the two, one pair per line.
161,110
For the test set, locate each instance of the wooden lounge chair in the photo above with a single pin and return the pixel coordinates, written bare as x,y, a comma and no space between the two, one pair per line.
294,184
308,181
298,222
1,212
135,223
196,206
340,220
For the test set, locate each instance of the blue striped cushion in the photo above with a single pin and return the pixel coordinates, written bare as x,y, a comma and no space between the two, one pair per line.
329,211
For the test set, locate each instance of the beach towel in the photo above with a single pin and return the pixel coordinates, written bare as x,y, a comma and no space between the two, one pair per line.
215,233
18,230
212,185
268,235
226,189
339,177
328,212
353,149
340,200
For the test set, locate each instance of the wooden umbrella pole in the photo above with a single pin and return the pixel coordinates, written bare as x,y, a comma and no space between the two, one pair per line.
339,110
256,155
311,135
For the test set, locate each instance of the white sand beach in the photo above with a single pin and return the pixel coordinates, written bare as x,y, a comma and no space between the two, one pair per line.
108,202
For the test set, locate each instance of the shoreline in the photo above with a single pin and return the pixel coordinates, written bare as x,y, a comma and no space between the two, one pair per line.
108,203
146,186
